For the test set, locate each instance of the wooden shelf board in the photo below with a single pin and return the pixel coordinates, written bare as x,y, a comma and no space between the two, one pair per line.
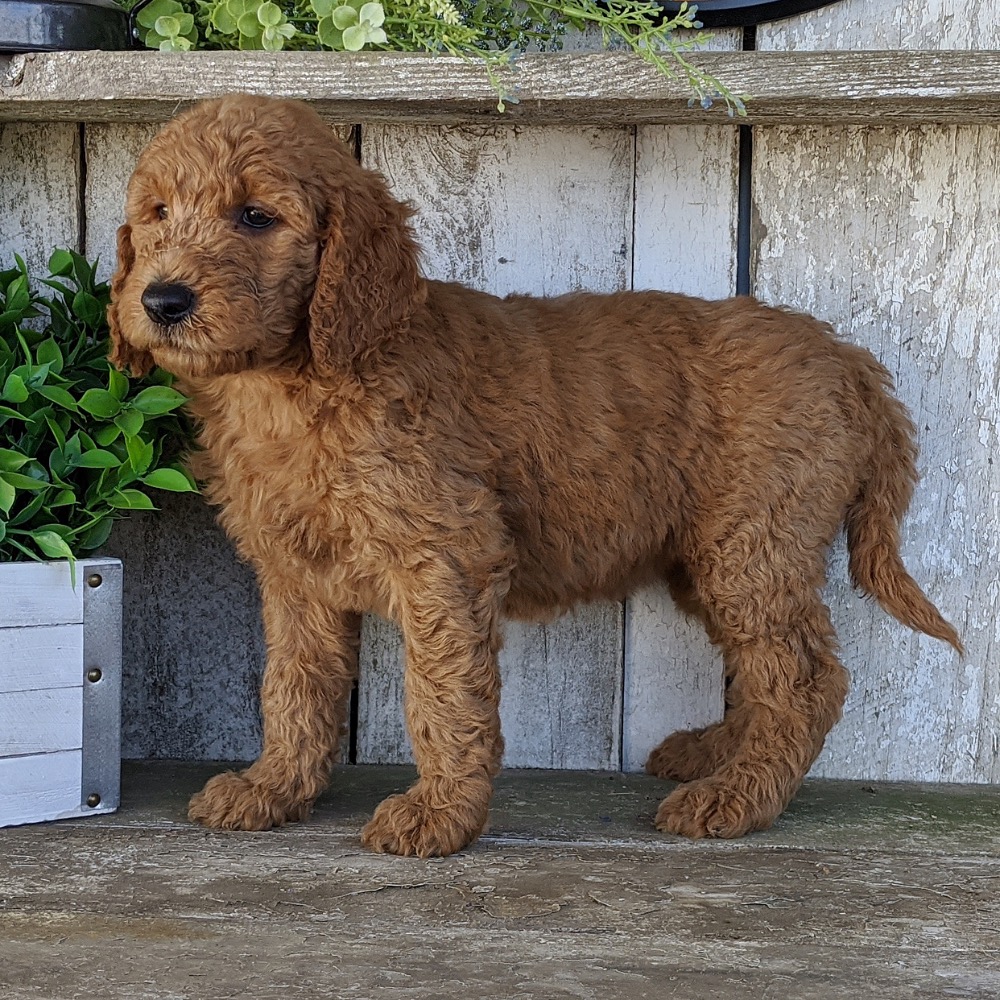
604,88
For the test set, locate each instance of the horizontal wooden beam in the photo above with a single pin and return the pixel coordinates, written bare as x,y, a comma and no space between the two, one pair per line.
895,88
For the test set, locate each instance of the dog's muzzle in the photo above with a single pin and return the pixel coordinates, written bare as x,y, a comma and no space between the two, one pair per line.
168,304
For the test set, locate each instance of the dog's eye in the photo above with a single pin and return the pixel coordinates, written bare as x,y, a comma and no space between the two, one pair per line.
161,211
256,218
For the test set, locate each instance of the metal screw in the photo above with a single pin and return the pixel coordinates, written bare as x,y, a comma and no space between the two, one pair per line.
94,580
94,675
93,800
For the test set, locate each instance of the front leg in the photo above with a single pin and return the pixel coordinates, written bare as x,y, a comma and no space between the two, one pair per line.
450,618
312,661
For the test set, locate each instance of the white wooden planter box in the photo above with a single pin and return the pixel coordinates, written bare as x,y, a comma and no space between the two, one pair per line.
60,690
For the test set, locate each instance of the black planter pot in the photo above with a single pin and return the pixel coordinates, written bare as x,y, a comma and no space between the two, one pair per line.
50,25
744,13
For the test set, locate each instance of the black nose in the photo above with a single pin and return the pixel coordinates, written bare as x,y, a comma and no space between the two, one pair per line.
168,304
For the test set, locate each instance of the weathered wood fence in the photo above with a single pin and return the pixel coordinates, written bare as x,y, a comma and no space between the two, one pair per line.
875,205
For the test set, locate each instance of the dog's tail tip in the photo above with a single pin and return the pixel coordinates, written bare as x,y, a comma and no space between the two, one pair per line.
878,570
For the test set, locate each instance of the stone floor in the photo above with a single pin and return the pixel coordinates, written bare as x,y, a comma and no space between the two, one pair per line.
887,891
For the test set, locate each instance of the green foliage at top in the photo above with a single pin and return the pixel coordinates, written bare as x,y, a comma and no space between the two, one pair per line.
80,443
489,31
167,26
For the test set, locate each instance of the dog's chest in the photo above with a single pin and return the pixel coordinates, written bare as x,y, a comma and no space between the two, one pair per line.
292,491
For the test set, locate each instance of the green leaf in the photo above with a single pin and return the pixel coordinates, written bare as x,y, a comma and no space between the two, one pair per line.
117,384
248,24
57,432
130,500
373,14
48,352
7,496
170,479
329,36
223,20
62,530
269,14
73,447
57,395
20,482
273,39
157,399
355,38
63,499
344,17
11,461
97,458
87,308
52,545
61,263
323,8
100,402
29,510
140,454
33,375
98,534
107,434
168,26
18,294
14,389
130,421
158,8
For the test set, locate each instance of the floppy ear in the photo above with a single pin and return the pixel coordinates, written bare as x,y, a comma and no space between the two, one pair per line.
122,353
368,284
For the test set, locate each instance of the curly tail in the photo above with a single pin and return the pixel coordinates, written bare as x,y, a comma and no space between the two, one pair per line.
872,519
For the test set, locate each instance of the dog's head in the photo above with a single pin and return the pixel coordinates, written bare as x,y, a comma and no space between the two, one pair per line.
253,238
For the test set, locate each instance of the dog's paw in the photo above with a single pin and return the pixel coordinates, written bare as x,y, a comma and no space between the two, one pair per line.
406,825
233,801
712,808
683,756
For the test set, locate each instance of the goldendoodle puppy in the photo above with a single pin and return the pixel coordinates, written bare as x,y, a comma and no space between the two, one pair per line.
378,441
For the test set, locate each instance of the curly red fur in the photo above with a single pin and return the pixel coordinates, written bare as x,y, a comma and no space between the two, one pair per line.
378,441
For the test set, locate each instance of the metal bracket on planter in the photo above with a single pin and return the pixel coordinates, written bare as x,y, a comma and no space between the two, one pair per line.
102,684
54,25
743,13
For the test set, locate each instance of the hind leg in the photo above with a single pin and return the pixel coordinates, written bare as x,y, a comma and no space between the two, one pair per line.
787,690
697,753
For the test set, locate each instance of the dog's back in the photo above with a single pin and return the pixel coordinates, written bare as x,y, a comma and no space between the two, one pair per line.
624,433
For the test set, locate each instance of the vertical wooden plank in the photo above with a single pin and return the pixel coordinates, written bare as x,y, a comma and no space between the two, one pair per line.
891,235
888,24
540,210
111,152
40,191
685,241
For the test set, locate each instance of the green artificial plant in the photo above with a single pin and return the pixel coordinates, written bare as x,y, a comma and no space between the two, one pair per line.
80,443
